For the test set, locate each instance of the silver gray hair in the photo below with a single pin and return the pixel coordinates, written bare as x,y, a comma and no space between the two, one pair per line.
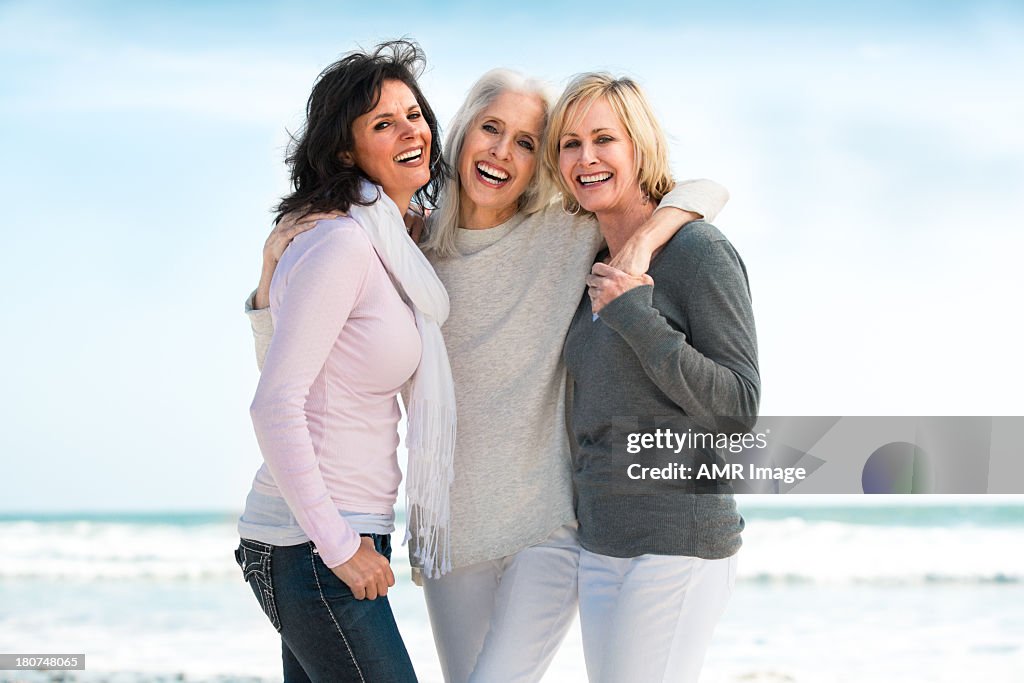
538,194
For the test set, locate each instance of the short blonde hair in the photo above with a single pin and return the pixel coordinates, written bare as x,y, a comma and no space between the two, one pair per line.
629,103
538,194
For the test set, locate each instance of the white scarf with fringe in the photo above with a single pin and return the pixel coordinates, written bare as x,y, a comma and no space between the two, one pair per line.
430,394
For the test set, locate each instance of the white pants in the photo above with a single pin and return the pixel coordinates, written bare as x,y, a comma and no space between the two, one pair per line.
650,618
502,621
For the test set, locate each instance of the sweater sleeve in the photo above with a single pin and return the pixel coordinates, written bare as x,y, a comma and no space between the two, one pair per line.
701,196
320,290
712,374
262,324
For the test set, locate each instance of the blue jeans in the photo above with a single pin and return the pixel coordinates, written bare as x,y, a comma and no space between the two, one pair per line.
326,634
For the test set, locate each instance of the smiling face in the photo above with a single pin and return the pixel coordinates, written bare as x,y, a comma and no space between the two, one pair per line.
499,156
597,160
392,143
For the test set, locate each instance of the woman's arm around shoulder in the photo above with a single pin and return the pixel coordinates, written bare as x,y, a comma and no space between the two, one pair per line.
688,201
257,306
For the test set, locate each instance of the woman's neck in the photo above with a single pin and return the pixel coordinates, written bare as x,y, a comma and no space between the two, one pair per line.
475,217
617,226
401,200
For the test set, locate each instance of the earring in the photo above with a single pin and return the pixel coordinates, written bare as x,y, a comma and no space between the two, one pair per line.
645,198
574,204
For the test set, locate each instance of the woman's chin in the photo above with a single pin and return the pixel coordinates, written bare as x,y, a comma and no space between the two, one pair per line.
489,204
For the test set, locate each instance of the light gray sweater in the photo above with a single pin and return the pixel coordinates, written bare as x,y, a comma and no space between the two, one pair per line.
514,289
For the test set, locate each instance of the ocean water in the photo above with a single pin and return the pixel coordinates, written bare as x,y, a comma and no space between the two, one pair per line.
834,593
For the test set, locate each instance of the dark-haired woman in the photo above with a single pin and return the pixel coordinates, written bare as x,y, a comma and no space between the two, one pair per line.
357,311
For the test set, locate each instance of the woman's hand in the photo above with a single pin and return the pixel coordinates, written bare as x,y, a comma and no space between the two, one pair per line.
606,282
278,240
285,231
415,221
414,225
367,573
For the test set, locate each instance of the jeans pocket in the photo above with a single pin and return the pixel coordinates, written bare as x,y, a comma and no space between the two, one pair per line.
382,543
254,559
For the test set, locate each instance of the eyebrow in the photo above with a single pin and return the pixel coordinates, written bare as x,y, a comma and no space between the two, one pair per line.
573,133
387,114
502,122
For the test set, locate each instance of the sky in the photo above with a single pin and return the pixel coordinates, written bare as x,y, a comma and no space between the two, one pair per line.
874,153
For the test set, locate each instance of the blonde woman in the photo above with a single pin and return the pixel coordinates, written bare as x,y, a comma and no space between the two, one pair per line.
672,347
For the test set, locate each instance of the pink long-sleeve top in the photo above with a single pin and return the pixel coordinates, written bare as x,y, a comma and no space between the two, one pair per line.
325,411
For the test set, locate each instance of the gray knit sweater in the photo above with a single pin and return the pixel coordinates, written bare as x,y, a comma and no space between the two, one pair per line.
679,356
514,289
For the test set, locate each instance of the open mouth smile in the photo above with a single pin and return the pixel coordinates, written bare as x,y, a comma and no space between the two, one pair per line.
593,179
410,156
492,175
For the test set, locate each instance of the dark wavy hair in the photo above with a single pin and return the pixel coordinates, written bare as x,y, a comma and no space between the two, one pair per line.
344,91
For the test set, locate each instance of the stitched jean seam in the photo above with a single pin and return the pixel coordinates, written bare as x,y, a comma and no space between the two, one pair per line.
327,606
256,573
